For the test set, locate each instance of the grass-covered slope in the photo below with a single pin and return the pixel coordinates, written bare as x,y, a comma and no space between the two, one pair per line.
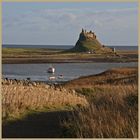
90,45
113,76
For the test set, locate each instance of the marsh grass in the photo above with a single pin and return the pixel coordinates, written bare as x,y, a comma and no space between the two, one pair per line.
112,113
18,99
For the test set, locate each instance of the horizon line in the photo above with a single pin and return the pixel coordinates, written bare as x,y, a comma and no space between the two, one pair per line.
60,45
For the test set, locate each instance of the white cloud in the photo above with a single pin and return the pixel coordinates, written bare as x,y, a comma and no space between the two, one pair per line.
71,20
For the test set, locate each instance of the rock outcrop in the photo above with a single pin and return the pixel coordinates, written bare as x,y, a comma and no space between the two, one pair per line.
88,42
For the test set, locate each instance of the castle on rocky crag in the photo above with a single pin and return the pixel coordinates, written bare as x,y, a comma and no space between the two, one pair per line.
88,42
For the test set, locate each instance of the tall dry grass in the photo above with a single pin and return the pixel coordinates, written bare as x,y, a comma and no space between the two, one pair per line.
17,99
112,113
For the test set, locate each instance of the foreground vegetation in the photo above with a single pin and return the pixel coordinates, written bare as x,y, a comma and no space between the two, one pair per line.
113,106
18,98
112,113
102,106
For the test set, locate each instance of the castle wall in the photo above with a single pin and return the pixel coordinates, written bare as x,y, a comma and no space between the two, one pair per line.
84,34
90,35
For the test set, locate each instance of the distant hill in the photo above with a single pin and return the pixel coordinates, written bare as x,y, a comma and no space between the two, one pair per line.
88,42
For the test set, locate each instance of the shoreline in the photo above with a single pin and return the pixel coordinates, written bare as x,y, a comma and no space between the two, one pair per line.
29,82
44,60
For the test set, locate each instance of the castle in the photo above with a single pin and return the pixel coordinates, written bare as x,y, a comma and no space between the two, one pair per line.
87,35
88,42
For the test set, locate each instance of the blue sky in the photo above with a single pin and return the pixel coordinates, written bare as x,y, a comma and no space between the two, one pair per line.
52,23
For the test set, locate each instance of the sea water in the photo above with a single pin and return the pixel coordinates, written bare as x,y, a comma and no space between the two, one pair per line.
38,72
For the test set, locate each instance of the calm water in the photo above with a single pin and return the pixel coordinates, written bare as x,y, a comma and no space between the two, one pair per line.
38,72
66,47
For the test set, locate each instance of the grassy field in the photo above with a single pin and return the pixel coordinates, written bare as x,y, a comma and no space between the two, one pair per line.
27,52
30,55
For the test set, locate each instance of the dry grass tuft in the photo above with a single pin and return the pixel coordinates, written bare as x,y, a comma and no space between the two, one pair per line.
16,99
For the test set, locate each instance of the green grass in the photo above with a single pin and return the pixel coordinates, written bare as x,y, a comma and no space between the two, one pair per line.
28,51
31,111
45,53
90,45
32,55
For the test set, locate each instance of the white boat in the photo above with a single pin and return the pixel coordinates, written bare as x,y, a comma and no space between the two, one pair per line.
52,78
51,70
60,76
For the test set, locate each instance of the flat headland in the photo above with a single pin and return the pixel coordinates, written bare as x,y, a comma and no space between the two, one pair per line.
38,55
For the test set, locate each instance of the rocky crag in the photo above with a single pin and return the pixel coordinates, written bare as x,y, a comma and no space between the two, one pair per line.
88,42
